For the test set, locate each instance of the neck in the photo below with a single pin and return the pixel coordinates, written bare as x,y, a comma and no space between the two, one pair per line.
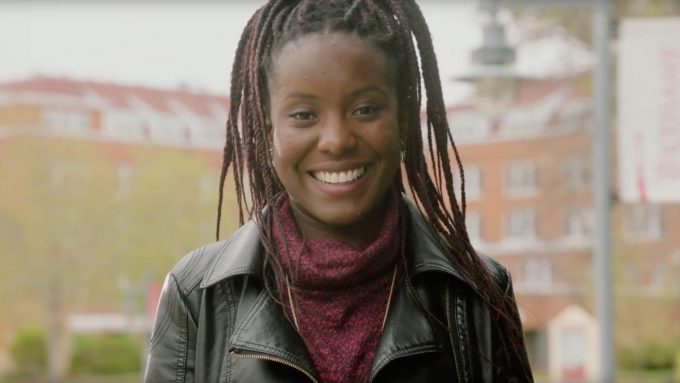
355,235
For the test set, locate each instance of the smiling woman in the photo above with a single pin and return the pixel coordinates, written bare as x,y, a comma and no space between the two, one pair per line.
335,134
339,276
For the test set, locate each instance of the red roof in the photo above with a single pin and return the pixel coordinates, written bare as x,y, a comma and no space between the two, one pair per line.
122,96
532,92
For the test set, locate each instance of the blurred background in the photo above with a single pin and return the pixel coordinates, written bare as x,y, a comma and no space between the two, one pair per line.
566,114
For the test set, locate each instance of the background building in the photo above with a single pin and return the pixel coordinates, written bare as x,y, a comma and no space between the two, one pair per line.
104,187
528,184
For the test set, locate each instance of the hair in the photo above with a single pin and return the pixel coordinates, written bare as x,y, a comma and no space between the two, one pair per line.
397,28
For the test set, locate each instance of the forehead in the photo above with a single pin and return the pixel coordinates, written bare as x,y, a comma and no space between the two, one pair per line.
332,57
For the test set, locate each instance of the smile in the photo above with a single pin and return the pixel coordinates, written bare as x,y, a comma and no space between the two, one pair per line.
339,177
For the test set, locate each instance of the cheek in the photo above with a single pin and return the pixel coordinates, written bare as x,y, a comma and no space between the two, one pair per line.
389,142
287,150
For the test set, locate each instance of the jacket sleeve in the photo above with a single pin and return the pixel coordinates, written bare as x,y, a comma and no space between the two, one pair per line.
514,366
172,345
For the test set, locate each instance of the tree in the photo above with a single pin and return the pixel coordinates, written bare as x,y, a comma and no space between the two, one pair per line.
72,225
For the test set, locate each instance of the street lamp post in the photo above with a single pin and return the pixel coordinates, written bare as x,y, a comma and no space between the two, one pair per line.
493,73
602,270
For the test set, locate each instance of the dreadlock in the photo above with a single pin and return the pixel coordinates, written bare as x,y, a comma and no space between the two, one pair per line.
391,26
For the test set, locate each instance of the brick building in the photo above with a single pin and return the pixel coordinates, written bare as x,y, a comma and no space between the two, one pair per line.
103,187
529,190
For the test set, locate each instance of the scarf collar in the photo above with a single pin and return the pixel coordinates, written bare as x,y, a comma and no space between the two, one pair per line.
323,264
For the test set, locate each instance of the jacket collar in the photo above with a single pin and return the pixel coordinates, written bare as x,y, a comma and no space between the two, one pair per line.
243,252
263,329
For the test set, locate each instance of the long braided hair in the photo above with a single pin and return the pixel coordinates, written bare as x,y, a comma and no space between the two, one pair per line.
391,26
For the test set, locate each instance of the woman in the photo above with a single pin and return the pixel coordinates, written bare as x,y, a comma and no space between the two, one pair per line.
338,277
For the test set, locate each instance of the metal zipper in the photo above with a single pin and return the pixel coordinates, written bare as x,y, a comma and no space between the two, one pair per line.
276,360
449,323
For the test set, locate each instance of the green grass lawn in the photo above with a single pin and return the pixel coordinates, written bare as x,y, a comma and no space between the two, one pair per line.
126,378
628,376
645,376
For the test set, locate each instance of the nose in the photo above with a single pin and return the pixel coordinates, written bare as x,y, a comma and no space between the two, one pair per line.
336,137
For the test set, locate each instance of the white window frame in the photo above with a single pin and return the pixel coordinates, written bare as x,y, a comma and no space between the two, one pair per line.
578,222
514,218
520,178
67,121
536,274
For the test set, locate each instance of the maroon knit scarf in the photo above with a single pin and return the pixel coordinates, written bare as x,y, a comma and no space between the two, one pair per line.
339,293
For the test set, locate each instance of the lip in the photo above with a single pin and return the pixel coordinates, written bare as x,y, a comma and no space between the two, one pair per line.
339,190
339,166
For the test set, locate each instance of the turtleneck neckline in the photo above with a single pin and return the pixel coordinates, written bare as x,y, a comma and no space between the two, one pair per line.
325,264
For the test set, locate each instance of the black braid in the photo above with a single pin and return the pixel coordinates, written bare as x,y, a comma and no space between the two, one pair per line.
391,26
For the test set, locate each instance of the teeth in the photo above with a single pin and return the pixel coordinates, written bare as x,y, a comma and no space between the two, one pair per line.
339,177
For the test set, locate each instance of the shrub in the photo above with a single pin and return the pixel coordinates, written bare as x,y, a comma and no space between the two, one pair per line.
106,354
659,355
29,351
648,356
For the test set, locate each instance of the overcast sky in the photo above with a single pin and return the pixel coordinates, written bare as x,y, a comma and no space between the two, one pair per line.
168,44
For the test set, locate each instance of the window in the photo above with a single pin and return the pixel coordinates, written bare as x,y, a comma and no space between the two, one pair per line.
578,221
473,224
642,221
520,223
536,274
123,126
520,178
577,174
66,121
473,182
468,126
168,130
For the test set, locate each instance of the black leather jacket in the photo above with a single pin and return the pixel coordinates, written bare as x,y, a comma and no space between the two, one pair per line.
216,323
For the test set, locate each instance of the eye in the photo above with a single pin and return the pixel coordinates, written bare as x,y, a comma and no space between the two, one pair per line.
365,110
302,114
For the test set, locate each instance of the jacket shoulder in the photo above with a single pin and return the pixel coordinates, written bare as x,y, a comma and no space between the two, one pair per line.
192,268
498,272
207,265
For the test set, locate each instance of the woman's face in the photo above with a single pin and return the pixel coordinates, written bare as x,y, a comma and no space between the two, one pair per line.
335,133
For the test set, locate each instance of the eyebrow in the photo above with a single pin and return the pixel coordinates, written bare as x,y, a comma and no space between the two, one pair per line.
304,96
354,93
370,88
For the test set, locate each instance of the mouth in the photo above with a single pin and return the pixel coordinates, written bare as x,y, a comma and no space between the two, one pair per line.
342,177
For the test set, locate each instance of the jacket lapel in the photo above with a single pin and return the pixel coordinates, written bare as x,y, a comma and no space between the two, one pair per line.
265,330
407,331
